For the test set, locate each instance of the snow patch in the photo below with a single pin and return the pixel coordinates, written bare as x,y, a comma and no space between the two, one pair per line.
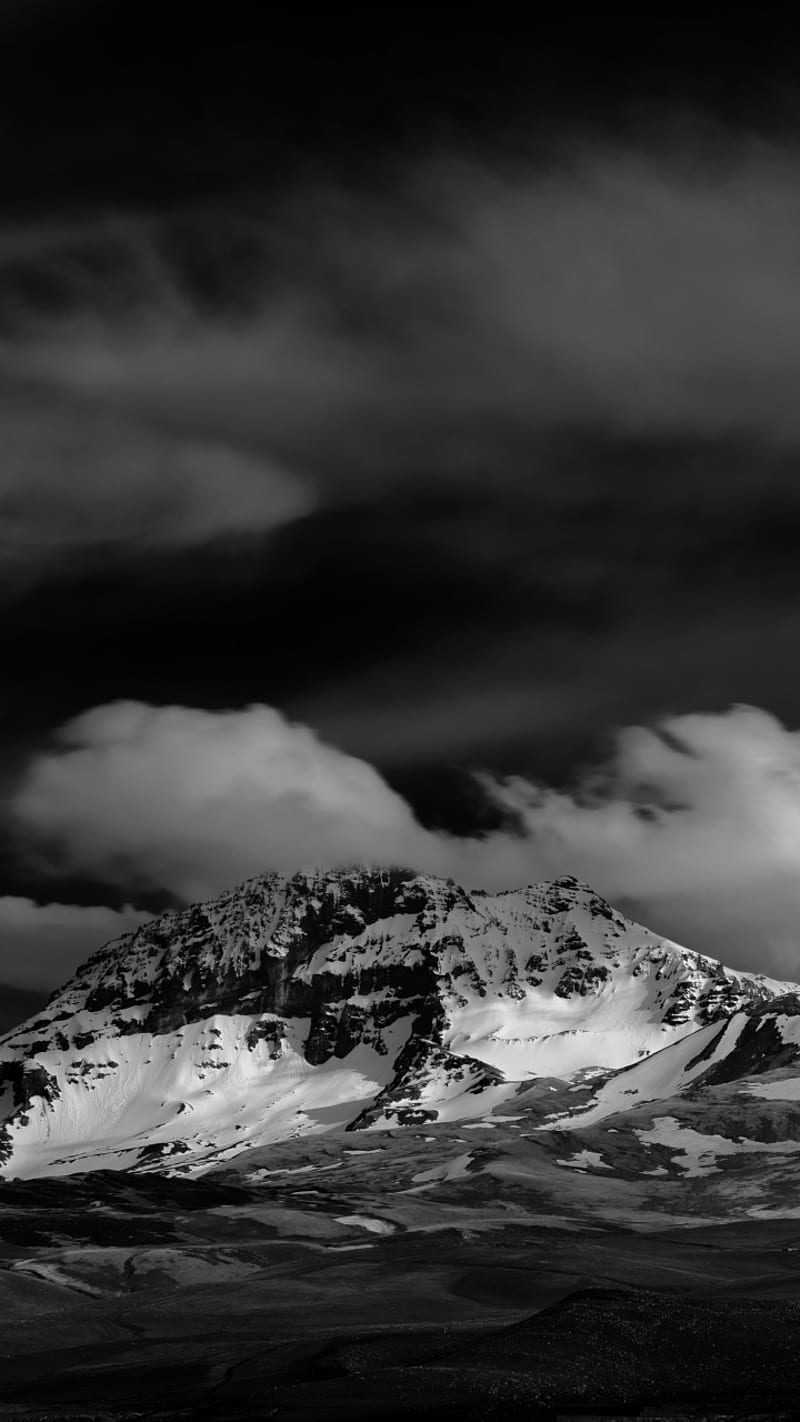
697,1153
367,1222
585,1160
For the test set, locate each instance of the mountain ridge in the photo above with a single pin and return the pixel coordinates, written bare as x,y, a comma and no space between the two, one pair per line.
359,998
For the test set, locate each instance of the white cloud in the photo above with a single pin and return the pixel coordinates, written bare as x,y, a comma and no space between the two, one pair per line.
193,801
41,944
694,824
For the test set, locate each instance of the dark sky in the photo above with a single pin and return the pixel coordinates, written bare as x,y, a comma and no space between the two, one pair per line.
432,381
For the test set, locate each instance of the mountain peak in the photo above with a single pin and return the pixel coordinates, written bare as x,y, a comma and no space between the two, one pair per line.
295,1002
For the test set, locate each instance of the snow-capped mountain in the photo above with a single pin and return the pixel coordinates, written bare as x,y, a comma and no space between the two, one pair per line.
756,1052
354,999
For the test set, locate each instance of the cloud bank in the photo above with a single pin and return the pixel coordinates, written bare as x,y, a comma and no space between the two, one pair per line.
693,824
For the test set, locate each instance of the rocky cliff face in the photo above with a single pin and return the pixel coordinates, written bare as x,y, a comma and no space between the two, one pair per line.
360,998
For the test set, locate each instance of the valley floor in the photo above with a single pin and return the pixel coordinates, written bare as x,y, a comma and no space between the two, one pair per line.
140,1297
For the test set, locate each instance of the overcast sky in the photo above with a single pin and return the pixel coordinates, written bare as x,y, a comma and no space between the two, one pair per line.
400,447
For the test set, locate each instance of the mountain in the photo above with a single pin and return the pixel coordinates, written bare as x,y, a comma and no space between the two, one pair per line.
719,1109
364,999
757,1051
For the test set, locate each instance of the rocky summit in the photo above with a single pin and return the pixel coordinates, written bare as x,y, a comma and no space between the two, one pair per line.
362,999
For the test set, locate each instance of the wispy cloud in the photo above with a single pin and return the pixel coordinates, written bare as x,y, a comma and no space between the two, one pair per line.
73,484
348,338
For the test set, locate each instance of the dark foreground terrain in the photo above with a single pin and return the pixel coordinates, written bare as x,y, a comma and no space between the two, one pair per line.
125,1297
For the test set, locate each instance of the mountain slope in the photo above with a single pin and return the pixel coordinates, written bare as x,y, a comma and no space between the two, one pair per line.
755,1051
362,999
